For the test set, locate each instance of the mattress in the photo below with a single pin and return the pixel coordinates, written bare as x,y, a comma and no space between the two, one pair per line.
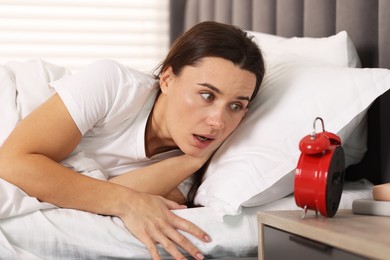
55,233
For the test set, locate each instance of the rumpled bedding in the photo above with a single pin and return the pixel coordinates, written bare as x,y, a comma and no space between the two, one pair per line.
23,87
56,233
30,229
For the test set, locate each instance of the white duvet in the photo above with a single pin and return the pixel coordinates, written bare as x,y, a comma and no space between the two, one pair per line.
30,229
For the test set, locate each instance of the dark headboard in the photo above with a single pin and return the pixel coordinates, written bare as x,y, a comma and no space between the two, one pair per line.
366,21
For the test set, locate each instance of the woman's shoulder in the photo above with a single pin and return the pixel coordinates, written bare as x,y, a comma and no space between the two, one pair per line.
109,65
113,68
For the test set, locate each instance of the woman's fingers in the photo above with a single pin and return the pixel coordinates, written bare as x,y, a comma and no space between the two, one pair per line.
191,228
167,235
152,222
168,238
185,225
183,242
169,246
150,245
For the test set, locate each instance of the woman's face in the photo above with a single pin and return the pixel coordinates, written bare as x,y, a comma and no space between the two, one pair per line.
205,103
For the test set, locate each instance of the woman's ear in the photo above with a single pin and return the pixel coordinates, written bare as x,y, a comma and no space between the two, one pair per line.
165,78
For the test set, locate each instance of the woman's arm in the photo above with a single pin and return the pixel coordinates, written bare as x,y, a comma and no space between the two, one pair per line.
29,159
161,178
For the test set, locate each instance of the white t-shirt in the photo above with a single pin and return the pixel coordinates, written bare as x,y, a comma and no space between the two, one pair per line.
110,104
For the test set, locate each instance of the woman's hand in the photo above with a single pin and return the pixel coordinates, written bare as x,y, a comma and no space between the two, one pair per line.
151,221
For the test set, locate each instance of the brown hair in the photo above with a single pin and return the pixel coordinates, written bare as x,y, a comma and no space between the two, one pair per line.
213,39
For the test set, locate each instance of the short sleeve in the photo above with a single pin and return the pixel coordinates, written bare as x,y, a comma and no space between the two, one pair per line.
103,92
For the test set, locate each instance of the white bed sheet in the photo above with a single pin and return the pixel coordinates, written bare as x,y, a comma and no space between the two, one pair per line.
71,234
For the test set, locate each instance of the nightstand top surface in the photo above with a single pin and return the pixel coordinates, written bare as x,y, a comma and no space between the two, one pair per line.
362,234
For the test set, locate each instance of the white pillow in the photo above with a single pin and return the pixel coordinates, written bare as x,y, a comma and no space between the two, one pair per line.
264,148
337,50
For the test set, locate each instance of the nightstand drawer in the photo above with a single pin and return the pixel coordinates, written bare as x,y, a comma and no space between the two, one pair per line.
278,244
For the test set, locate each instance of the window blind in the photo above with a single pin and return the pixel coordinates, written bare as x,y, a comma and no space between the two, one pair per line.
73,33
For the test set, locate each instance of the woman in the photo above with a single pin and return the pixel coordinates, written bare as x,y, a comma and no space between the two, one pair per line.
146,135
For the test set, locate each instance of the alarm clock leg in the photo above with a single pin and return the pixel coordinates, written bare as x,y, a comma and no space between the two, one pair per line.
304,212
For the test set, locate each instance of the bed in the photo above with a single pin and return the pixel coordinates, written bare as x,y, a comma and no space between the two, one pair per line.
254,169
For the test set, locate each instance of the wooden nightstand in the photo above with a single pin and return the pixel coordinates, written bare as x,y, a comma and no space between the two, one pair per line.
285,235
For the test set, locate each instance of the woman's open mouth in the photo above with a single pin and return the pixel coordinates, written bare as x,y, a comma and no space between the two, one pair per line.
202,138
202,141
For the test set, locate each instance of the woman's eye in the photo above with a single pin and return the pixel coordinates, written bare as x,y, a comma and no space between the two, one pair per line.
236,107
207,96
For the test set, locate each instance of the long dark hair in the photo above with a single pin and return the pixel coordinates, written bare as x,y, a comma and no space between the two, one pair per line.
213,39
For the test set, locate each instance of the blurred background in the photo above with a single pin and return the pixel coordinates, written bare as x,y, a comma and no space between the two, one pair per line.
73,33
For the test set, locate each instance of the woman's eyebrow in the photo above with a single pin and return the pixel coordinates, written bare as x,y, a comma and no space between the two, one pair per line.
213,88
218,91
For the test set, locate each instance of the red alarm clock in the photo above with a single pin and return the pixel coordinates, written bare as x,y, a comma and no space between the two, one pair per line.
319,176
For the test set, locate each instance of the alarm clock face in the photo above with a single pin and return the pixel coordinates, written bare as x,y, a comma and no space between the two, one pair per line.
335,181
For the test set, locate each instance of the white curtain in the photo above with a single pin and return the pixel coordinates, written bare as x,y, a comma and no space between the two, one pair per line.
73,33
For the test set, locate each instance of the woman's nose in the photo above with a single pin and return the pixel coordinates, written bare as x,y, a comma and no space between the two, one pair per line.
216,119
